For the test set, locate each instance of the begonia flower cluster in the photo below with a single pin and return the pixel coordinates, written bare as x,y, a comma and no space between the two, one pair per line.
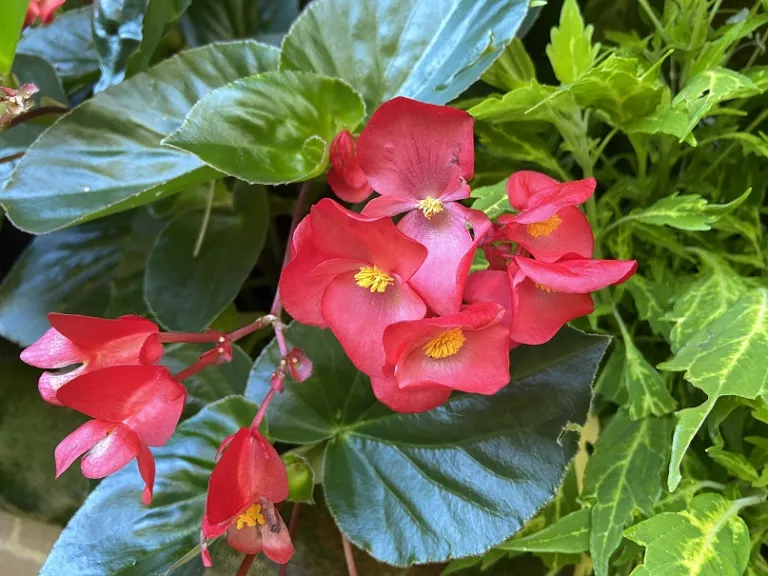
399,296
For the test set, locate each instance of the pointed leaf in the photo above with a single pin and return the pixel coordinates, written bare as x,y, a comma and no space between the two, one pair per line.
688,212
513,69
651,303
117,32
491,199
647,390
571,52
568,535
689,421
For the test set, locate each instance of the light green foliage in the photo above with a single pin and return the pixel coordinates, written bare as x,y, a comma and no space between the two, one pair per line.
513,69
687,212
647,390
707,539
571,51
491,199
13,13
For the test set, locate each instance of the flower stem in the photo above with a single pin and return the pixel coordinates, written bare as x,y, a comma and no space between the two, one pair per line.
349,556
188,337
203,362
292,525
263,409
257,324
206,218
245,566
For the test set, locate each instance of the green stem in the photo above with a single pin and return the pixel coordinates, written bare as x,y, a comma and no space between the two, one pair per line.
653,18
206,218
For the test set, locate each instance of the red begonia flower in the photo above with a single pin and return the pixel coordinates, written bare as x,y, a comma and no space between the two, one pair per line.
245,482
299,366
351,273
418,157
545,296
549,225
43,9
133,407
491,286
408,400
93,342
466,351
345,177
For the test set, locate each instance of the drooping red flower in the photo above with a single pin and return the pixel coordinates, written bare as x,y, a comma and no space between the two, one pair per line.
133,407
547,295
346,178
93,342
351,273
299,366
45,10
244,485
466,351
492,286
549,225
419,157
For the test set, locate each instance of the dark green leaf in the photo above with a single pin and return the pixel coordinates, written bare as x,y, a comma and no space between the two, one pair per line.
622,475
568,535
429,50
506,141
158,14
30,429
16,141
216,20
14,12
105,155
67,44
419,469
646,388
186,291
610,382
709,538
36,70
288,118
114,533
117,32
571,52
651,303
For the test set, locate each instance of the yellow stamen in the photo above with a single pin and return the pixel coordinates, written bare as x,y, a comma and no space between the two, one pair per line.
430,206
546,289
251,517
374,279
544,228
445,344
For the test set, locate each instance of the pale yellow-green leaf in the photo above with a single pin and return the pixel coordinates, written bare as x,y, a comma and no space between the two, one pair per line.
571,52
513,69
491,199
647,390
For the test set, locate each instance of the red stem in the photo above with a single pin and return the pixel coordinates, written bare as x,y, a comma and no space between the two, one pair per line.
246,565
349,556
263,409
202,362
292,525
188,337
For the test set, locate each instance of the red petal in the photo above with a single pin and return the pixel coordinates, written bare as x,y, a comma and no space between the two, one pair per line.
300,292
119,392
345,177
358,317
384,206
539,314
526,183
491,286
48,9
572,239
79,442
96,333
49,383
546,202
111,454
450,246
410,400
278,546
579,276
147,470
246,540
53,350
415,150
156,421
339,233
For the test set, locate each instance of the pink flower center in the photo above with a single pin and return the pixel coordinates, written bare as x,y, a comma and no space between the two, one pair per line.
446,344
544,228
250,518
430,206
374,279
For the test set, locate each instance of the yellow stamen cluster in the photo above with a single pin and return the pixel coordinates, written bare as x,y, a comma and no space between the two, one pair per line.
546,289
373,278
251,517
544,228
445,344
430,206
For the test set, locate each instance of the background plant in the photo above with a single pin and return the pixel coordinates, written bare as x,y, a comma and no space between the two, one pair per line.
660,101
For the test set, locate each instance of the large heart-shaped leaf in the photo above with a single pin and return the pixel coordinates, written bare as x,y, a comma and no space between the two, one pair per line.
429,50
105,155
114,533
29,432
272,128
14,142
186,290
452,482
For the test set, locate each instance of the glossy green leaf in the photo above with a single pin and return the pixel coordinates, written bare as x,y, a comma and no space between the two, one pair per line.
158,14
14,12
571,52
36,70
114,533
694,102
105,155
610,381
16,141
730,355
428,50
117,33
687,212
213,383
30,429
186,291
67,44
709,538
568,535
705,300
492,199
301,478
513,69
68,271
689,421
647,390
217,20
288,119
472,454
622,475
